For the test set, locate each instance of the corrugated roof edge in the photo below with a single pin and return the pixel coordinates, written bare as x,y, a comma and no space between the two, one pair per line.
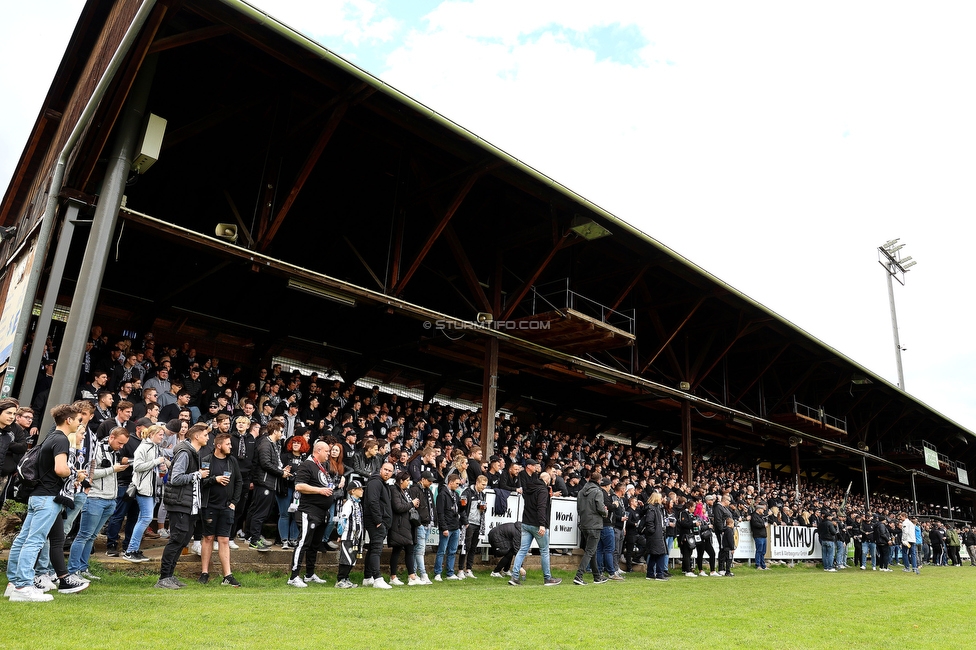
265,19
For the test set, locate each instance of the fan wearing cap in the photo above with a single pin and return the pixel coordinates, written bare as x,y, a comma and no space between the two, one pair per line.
535,520
350,528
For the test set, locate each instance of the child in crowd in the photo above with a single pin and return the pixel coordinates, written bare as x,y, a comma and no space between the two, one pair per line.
350,529
727,549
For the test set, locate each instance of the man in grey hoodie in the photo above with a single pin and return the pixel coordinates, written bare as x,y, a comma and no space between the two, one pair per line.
590,511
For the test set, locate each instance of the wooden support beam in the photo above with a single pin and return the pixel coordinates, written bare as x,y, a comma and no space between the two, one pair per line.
178,136
186,38
310,161
670,337
630,287
513,301
489,397
743,330
396,255
369,270
761,373
686,465
470,277
449,212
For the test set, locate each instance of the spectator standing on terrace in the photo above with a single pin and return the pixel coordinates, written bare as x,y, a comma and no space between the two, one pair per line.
314,483
952,545
221,492
402,536
428,510
868,544
13,441
183,497
449,525
757,525
655,527
472,516
377,519
351,530
969,540
908,542
591,511
726,549
882,540
535,521
148,466
266,474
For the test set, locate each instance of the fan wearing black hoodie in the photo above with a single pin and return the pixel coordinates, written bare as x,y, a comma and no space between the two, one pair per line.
535,521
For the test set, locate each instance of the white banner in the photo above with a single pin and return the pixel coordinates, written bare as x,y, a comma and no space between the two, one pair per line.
563,531
963,476
793,543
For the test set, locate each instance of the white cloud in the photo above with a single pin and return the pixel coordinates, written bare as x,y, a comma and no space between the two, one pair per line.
356,22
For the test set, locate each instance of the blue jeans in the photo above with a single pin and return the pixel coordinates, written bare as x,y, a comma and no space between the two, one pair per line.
604,551
761,552
122,508
287,526
827,548
42,513
74,513
93,517
840,554
873,548
532,532
911,557
657,565
447,545
145,516
419,549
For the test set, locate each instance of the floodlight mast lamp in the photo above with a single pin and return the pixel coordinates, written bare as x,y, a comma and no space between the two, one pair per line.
896,266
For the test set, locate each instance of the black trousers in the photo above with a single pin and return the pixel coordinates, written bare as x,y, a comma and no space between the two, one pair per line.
374,550
725,560
56,537
312,524
591,539
471,534
264,498
705,548
180,534
242,506
505,563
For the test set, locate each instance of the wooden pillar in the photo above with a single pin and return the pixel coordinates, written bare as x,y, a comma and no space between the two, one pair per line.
489,394
795,454
686,441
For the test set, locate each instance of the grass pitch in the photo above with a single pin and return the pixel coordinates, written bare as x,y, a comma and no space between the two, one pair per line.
800,607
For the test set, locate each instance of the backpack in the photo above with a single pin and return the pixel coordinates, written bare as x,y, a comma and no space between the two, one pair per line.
24,480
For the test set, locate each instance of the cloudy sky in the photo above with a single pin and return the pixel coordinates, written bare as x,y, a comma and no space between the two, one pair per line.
774,144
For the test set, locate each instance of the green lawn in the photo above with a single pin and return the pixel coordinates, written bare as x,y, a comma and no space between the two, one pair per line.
801,607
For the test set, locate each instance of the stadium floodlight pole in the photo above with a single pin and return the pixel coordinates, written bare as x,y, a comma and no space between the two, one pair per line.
896,266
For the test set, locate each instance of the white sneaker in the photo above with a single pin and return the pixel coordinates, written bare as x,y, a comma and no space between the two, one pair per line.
82,578
413,582
396,582
233,545
495,574
453,577
9,590
460,575
426,580
89,576
297,582
317,580
691,574
241,535
367,582
44,583
29,594
470,574
715,574
195,548
437,578
721,573
164,533
380,583
507,574
704,574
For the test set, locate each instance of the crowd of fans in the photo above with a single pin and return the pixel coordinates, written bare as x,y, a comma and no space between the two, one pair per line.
148,417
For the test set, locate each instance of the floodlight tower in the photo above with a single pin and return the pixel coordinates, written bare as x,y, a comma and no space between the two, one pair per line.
896,266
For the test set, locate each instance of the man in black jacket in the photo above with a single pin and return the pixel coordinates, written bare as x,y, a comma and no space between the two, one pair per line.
449,524
505,540
266,471
535,522
377,519
427,510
